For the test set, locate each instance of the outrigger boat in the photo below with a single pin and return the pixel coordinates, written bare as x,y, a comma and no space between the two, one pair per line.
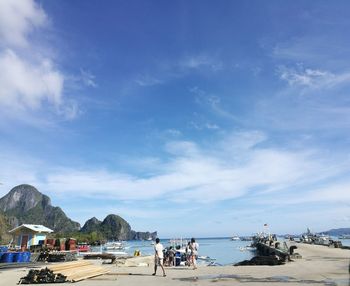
113,245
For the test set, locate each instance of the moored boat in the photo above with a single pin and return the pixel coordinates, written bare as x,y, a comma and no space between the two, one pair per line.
113,245
84,247
235,238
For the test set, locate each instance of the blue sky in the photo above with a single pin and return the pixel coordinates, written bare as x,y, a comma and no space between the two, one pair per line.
192,118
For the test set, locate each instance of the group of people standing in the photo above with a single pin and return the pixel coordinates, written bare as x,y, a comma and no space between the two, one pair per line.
191,252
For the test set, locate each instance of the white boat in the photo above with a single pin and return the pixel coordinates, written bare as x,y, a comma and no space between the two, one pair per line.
235,238
113,245
117,253
322,239
247,248
314,238
205,258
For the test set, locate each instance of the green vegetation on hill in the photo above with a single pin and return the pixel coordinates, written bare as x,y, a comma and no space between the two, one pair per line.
28,205
114,227
25,204
5,226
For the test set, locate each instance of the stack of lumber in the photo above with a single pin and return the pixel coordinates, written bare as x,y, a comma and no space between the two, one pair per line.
71,271
79,270
42,276
57,256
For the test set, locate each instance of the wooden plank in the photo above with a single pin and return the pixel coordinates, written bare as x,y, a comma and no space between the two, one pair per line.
76,279
79,270
68,265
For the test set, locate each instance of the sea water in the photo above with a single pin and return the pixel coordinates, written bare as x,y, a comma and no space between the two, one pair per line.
224,250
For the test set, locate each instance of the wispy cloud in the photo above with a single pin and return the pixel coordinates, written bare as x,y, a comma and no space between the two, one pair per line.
201,62
87,78
173,132
312,78
213,103
168,70
204,126
233,168
147,80
234,175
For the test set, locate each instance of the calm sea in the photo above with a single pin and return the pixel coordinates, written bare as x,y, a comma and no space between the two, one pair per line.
223,250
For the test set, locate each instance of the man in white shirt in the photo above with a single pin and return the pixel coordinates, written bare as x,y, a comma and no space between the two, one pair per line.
158,257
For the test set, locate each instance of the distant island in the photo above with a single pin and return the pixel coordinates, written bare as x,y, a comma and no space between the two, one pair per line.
331,232
337,231
25,204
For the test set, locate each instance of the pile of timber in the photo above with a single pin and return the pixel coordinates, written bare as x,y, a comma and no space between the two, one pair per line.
42,276
57,256
65,272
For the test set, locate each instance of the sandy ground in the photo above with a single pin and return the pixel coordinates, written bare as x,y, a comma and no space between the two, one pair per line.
319,265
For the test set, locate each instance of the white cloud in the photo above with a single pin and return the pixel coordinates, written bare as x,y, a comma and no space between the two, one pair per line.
312,78
182,148
212,126
166,71
192,173
31,81
147,80
215,104
334,192
173,132
243,140
235,176
201,62
87,78
204,125
26,85
199,177
17,19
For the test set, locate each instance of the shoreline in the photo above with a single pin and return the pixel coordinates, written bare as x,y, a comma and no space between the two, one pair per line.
319,265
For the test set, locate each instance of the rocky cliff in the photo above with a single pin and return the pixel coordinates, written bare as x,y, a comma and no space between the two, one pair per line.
25,204
114,227
93,224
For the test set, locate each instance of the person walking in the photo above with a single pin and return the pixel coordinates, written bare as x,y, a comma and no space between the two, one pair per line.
158,257
188,254
194,252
